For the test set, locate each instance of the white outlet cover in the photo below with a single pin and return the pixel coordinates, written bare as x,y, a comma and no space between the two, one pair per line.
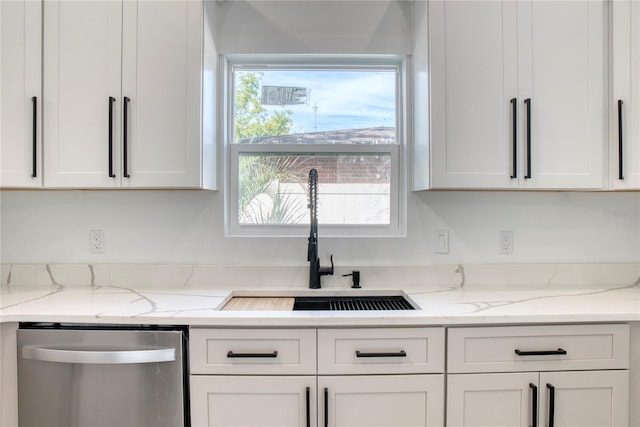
505,243
96,241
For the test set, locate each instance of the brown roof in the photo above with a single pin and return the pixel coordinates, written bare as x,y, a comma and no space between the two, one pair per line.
377,135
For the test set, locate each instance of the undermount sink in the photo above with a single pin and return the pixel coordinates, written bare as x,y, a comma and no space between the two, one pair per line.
312,301
352,303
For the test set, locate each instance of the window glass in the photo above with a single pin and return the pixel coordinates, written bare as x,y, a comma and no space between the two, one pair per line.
353,188
340,120
315,106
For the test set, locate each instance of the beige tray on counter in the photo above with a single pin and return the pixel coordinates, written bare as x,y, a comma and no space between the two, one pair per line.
259,304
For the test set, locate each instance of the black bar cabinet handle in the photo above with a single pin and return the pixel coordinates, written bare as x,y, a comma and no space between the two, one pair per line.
552,403
401,353
559,351
527,102
34,104
514,113
231,354
308,404
534,404
111,101
620,140
326,407
125,131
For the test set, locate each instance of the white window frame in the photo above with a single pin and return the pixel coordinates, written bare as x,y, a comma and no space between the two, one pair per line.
233,151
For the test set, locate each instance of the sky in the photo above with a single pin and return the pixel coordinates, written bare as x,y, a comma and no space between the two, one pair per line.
344,99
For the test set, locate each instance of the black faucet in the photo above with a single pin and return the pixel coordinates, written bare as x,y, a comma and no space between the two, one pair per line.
315,270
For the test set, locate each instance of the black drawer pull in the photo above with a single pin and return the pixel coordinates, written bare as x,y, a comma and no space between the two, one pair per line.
34,165
308,406
620,141
540,352
534,404
231,354
552,405
514,138
326,407
111,101
401,353
527,103
125,136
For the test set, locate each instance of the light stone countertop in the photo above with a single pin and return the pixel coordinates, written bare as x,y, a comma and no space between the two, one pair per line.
453,303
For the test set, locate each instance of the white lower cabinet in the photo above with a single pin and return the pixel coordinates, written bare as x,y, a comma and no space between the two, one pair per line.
590,398
490,399
381,400
252,377
291,401
509,376
390,377
563,376
358,378
248,401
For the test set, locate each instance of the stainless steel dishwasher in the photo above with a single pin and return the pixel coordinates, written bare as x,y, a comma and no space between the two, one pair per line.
93,375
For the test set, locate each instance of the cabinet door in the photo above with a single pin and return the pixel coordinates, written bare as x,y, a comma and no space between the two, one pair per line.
473,54
475,400
162,51
581,399
371,400
249,401
562,67
82,51
20,89
625,123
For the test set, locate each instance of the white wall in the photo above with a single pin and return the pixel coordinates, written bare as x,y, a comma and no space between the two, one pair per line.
314,27
187,227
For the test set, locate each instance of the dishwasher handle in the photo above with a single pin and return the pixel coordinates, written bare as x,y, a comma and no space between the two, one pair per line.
99,357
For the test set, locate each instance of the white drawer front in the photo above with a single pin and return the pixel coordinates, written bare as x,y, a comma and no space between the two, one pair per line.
253,351
380,351
538,348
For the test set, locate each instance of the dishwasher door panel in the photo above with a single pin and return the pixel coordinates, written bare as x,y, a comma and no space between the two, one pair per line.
100,378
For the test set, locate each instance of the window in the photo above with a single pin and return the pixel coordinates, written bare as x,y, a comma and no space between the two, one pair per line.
340,117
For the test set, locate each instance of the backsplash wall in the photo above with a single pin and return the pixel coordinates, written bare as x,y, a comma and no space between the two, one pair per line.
187,227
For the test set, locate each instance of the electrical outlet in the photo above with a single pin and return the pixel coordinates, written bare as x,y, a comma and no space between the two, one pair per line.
441,242
96,241
506,242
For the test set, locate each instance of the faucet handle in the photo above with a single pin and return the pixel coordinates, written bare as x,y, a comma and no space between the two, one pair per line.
356,279
326,271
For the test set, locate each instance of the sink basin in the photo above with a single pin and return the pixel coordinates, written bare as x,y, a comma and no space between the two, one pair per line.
352,303
317,301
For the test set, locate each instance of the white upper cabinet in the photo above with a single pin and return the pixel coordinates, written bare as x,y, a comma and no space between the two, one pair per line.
518,94
473,77
562,63
122,84
161,85
82,43
20,93
625,124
